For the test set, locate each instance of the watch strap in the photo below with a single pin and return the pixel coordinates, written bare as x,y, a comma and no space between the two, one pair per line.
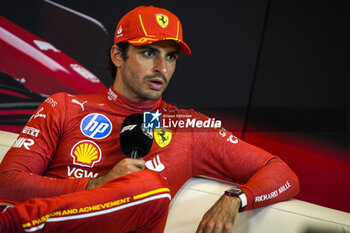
237,192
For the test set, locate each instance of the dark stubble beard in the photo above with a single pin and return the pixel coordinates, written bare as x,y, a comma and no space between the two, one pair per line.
132,76
157,75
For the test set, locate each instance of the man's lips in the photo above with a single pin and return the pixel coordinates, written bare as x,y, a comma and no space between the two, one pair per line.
156,83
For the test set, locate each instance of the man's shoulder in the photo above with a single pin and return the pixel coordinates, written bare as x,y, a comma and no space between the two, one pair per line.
173,111
71,102
182,110
93,97
169,108
63,96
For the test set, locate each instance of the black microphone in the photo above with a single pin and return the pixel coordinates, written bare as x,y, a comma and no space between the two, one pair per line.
135,140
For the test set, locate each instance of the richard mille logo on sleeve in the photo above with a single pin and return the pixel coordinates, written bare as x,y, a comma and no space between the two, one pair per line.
273,194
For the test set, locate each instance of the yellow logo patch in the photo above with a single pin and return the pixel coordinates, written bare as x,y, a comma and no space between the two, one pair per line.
162,137
86,153
162,20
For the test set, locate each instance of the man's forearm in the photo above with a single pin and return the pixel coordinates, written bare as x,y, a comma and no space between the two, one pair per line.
20,186
273,183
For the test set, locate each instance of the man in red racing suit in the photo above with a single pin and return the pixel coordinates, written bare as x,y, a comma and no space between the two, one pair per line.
53,171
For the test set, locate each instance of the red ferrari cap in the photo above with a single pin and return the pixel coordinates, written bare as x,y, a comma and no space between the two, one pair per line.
148,24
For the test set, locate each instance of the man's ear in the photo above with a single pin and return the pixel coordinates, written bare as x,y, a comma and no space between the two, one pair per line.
116,56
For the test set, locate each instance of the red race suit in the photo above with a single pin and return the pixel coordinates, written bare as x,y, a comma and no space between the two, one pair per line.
70,139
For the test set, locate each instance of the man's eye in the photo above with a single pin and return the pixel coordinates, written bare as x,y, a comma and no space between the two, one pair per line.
172,57
148,53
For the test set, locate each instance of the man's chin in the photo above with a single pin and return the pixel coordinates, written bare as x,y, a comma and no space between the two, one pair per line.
154,95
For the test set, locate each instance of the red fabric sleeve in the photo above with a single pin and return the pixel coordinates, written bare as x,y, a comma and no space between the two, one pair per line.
22,169
137,202
265,178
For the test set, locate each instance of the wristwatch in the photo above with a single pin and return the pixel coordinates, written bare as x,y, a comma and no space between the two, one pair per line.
237,192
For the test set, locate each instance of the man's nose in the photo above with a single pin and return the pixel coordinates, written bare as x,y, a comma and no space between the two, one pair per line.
161,65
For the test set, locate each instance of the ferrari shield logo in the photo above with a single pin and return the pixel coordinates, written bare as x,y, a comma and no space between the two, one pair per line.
162,20
162,137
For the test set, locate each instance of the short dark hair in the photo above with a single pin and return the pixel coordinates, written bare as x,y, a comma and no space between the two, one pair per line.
123,47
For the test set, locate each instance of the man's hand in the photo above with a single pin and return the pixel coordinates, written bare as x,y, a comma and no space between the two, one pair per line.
122,168
220,218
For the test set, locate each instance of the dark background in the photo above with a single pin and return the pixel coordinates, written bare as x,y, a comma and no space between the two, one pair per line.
268,67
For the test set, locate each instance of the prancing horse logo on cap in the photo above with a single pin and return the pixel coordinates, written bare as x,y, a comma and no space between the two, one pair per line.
163,20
